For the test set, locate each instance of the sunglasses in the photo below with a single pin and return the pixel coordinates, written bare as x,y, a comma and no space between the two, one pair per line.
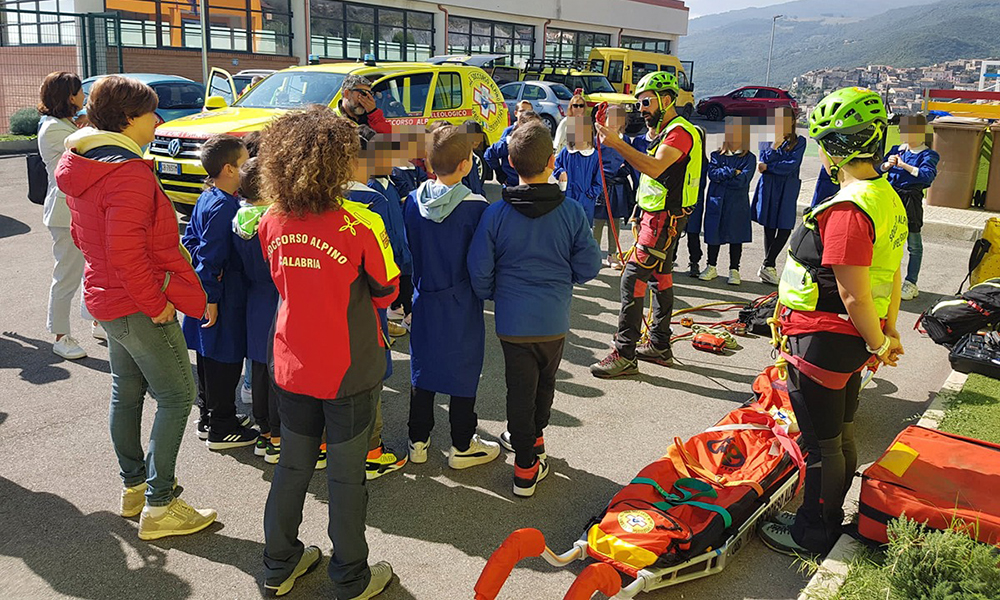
578,106
362,91
646,102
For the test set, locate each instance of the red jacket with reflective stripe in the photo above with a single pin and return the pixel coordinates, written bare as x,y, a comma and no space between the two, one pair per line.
333,271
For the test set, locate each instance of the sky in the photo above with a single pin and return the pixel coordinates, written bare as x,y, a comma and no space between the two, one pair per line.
700,8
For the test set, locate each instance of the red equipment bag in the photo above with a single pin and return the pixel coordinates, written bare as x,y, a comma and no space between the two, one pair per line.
935,478
709,343
689,501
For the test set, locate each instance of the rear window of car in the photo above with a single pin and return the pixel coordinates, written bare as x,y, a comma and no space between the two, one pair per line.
534,92
562,92
175,96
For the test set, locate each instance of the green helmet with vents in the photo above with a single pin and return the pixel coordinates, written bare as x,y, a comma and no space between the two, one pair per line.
658,82
849,119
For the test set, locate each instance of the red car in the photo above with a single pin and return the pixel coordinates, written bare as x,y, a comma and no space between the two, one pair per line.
750,101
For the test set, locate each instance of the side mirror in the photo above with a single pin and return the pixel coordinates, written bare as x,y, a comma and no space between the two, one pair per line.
215,103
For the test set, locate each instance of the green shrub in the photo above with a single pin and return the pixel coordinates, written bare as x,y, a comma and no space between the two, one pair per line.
24,122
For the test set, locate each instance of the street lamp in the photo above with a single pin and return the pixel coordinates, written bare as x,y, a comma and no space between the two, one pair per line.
774,21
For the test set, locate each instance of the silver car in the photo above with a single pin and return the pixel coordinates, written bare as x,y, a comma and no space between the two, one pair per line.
549,99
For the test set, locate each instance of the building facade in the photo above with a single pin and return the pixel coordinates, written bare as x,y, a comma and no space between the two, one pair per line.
165,36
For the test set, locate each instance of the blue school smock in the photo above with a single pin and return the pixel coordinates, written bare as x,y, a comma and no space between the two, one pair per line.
408,179
473,181
497,157
583,178
392,215
825,187
261,296
621,196
776,198
448,332
727,204
925,160
209,239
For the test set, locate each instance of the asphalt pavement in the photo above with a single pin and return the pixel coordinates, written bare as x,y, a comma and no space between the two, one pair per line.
59,484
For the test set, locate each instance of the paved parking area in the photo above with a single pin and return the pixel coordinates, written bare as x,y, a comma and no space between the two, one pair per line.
59,480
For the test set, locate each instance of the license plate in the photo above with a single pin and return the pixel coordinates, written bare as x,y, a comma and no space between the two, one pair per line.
170,168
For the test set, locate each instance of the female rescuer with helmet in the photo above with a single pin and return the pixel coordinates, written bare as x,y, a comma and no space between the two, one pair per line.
838,301
668,190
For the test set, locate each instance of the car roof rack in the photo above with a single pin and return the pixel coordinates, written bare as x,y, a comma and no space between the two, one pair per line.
538,64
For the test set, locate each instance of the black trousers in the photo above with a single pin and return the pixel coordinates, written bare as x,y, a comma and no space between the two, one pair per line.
636,279
530,370
265,400
348,423
694,248
405,297
826,420
217,385
735,254
461,414
774,242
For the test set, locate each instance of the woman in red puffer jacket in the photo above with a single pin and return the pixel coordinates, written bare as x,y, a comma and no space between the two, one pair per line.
134,277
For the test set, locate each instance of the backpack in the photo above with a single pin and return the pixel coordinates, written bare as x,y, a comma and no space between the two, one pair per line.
756,314
948,320
38,179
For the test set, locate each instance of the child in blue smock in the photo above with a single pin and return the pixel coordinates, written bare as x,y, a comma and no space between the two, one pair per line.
262,304
448,337
727,204
826,188
911,168
219,340
775,201
578,168
621,196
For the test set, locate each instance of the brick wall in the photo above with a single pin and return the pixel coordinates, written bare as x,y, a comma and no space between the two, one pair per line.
187,63
22,69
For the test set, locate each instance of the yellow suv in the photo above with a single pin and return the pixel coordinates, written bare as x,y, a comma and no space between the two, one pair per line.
409,94
625,67
596,87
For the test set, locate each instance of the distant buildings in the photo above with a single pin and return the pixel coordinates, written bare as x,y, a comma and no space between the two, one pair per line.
902,88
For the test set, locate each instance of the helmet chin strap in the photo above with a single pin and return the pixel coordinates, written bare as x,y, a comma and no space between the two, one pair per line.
663,110
836,166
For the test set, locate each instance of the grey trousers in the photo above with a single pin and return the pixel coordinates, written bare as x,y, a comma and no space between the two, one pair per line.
348,422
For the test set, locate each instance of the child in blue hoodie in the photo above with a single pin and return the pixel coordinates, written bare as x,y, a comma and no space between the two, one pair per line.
528,252
374,160
578,168
219,340
262,304
497,156
911,168
448,336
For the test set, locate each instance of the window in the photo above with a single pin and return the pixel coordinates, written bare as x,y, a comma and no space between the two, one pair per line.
218,85
477,36
174,96
767,94
293,89
448,93
640,69
344,30
259,26
597,64
615,70
511,91
562,44
562,92
645,44
534,92
37,22
744,93
403,96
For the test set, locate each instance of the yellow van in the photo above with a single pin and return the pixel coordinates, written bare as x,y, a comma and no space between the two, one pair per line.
409,94
595,86
624,68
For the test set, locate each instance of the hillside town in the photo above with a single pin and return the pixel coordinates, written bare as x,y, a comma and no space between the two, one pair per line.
902,88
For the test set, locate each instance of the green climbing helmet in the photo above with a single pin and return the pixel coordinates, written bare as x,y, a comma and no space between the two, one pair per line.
850,120
658,82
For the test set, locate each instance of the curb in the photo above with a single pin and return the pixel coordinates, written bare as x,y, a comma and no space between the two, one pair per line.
938,230
833,570
18,147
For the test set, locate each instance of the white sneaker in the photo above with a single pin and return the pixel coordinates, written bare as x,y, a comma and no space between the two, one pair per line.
381,576
68,348
179,518
395,314
709,273
418,451
768,275
909,291
97,330
734,277
480,452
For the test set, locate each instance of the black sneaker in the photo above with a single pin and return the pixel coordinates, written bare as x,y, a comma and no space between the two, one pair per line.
649,353
244,420
525,480
260,448
694,270
539,445
614,365
237,438
202,430
778,537
272,453
311,557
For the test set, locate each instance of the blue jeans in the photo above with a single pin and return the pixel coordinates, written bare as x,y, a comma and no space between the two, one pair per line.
146,356
915,247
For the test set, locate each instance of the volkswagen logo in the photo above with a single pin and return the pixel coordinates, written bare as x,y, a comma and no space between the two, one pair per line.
174,147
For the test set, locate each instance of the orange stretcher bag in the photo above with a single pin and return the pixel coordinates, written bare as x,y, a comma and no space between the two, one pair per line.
935,478
689,501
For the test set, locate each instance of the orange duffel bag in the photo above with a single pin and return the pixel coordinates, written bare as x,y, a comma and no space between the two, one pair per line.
935,478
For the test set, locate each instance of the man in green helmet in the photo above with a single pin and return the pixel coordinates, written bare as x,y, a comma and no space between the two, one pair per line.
668,190
839,295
